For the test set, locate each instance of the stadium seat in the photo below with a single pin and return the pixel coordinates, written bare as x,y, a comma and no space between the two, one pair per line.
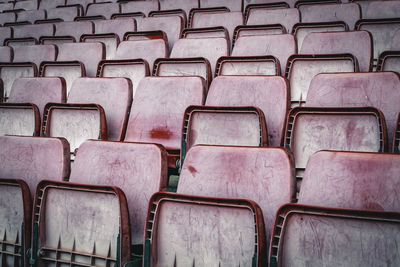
5,33
285,16
389,61
31,15
34,31
396,137
233,5
6,54
253,65
186,5
8,17
35,54
246,30
74,29
381,9
117,26
6,6
19,119
105,9
48,4
66,13
140,6
208,32
83,3
110,41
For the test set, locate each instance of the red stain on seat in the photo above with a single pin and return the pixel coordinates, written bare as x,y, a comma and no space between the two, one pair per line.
161,133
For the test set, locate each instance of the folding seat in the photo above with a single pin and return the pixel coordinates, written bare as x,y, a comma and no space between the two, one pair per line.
209,48
5,33
117,26
97,163
301,69
300,30
382,32
33,31
148,50
85,225
103,9
33,159
166,13
26,4
263,175
38,91
377,89
83,3
185,5
205,232
70,32
35,54
171,25
110,41
341,42
158,108
381,9
389,61
349,129
251,3
233,5
6,54
269,93
229,20
351,180
330,12
209,32
19,119
330,237
223,125
8,17
285,16
66,13
48,4
246,30
140,6
6,6
280,46
15,221
254,65
31,15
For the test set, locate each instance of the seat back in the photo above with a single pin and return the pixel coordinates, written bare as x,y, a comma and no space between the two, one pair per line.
48,4
74,29
118,26
9,72
110,41
381,10
31,15
103,9
285,16
253,65
34,31
233,5
35,54
186,5
66,13
140,6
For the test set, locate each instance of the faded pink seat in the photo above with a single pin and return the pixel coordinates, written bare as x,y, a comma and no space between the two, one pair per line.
48,4
347,12
285,16
352,180
269,93
339,43
125,165
140,6
110,41
103,9
26,4
233,5
5,33
6,6
19,119
34,158
6,54
209,48
185,5
263,175
280,46
83,3
377,89
38,91
381,10
31,15
205,231
118,26
35,54
330,237
246,3
254,65
74,29
171,25
34,30
148,50
8,17
113,94
66,13
85,225
11,71
389,61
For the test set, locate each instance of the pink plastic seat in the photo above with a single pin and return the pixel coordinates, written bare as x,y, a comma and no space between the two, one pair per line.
139,6
389,61
285,16
11,71
48,4
263,175
118,26
6,6
31,15
34,31
5,33
339,43
8,17
103,9
66,13
269,93
19,119
26,4
186,5
382,9
113,94
34,158
253,65
35,54
206,231
96,164
110,41
74,29
233,5
6,54
280,46
377,89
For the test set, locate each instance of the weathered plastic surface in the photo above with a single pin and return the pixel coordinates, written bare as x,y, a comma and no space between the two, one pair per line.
5,32
31,15
352,180
145,35
17,42
80,225
6,6
269,93
64,13
6,53
158,108
38,91
382,9
246,30
74,28
312,236
118,26
114,95
166,13
233,5
256,65
7,17
76,123
34,30
110,41
209,48
301,30
171,25
301,70
139,6
382,33
291,3
27,5
35,53
280,46
339,43
103,9
15,221
186,231
377,89
125,165
229,20
231,126
396,40
148,50
209,32
285,16
10,72
186,5
347,12
47,4
33,159
89,54
389,61
309,130
69,71
263,175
